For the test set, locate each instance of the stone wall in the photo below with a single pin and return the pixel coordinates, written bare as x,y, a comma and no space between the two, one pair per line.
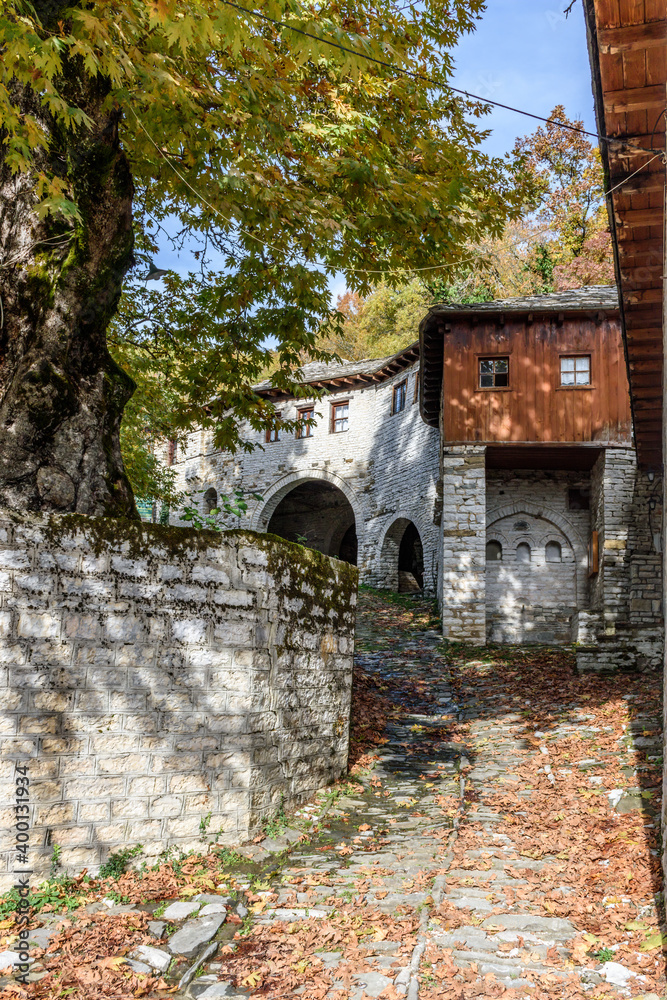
614,616
624,627
386,465
464,544
535,601
152,677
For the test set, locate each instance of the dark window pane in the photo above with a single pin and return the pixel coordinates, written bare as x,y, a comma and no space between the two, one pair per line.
502,380
494,551
486,381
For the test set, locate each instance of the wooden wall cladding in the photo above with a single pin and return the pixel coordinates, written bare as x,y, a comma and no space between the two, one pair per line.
535,408
628,49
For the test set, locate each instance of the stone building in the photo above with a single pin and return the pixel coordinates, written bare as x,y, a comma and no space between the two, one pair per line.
359,480
550,531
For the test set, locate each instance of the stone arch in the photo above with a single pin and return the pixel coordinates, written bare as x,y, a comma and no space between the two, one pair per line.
534,600
279,489
390,551
313,509
541,513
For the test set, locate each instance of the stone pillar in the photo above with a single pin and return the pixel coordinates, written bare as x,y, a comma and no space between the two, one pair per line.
612,495
464,544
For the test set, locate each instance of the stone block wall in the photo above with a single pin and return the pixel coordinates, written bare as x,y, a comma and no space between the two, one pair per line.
626,628
614,616
464,544
535,601
151,677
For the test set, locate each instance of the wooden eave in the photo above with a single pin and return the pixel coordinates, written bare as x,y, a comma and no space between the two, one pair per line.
627,42
362,380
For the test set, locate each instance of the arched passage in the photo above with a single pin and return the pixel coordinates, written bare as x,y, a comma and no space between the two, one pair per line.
402,558
318,515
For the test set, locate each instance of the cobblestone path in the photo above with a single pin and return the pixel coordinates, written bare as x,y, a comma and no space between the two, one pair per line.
501,842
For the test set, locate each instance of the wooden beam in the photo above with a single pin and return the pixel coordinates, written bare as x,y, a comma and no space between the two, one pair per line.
632,38
634,99
635,217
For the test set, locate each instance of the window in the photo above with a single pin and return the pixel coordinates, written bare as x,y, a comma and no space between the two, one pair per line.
340,414
273,432
523,553
578,499
415,397
494,373
494,551
399,397
553,552
210,500
575,371
304,429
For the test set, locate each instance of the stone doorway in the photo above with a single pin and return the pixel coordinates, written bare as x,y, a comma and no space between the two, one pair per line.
318,515
402,558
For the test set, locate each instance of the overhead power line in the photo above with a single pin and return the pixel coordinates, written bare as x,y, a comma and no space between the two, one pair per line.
428,79
345,270
353,270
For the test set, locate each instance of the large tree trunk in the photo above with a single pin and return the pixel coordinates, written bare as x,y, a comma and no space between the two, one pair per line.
61,394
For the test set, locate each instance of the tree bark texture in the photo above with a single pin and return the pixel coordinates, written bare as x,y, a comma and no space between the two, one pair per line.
61,393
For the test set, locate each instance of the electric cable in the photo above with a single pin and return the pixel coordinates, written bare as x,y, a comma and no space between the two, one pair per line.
427,79
658,156
354,270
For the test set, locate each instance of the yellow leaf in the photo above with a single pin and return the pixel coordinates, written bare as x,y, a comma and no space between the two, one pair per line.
657,940
188,890
254,979
591,938
113,962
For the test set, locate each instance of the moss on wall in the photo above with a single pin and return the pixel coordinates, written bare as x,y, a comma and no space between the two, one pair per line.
331,583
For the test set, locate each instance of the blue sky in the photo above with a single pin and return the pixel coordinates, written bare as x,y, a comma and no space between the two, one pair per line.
528,54
525,53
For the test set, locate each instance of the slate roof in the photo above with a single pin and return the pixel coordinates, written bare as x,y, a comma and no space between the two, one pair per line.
592,297
374,369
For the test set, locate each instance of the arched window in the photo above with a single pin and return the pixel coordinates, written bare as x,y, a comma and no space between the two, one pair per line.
523,553
494,551
553,552
210,500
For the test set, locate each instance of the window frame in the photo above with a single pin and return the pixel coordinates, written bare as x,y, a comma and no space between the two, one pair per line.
332,419
415,395
305,431
505,356
574,355
403,384
272,429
